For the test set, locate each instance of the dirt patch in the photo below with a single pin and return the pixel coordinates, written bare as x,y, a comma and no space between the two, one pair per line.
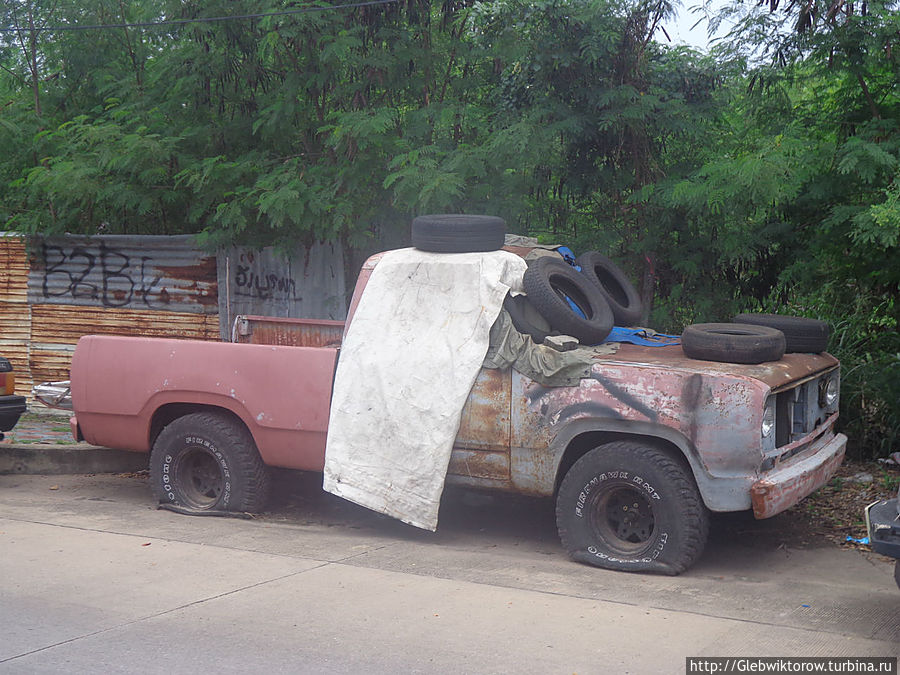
837,510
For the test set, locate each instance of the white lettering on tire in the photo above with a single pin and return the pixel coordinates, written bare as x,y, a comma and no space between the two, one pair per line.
167,481
654,554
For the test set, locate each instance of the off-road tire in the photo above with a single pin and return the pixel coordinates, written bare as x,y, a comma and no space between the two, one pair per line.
458,233
549,281
619,292
801,334
732,343
208,461
599,525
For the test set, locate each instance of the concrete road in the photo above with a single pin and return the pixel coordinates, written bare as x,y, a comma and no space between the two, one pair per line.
94,579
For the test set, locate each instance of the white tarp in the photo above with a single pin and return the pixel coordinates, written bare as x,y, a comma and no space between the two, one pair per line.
407,364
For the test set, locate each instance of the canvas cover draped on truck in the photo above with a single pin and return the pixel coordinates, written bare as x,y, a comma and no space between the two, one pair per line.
408,362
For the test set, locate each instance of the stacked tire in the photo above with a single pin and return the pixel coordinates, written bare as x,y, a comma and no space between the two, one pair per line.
583,301
754,338
560,299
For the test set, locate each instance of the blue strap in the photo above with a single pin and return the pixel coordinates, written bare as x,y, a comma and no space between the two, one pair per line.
642,336
567,254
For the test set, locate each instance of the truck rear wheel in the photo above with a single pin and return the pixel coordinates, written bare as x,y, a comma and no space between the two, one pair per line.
630,507
208,462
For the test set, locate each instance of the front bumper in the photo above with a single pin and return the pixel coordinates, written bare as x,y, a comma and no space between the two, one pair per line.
781,488
11,408
883,524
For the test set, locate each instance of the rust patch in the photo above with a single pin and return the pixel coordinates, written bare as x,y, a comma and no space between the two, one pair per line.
204,272
772,496
479,464
485,421
201,278
261,330
493,385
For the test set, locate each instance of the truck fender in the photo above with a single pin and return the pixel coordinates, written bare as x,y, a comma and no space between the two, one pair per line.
575,438
165,407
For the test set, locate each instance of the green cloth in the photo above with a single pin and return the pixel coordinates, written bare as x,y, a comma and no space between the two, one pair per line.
543,364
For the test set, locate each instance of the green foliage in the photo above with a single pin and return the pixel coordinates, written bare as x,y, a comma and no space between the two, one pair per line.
109,173
865,337
765,176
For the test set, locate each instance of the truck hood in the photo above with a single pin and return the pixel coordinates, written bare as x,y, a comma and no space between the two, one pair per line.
775,374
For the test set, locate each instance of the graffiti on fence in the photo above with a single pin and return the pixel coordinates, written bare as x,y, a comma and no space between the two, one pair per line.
155,273
106,275
252,282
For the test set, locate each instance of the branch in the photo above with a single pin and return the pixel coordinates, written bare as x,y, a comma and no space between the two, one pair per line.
865,88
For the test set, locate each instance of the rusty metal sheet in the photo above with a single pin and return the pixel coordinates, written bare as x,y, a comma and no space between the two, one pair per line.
62,324
307,283
15,320
13,269
160,273
268,330
49,364
17,353
486,414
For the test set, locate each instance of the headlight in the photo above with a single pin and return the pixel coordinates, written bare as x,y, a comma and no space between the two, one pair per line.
768,421
829,390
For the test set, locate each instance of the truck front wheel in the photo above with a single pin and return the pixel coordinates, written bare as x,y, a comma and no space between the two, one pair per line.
208,462
631,507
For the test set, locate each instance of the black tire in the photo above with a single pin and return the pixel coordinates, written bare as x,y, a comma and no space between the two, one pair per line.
732,342
458,233
208,462
526,318
549,281
630,507
619,292
800,333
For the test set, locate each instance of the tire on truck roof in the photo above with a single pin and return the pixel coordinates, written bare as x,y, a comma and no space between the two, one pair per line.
458,233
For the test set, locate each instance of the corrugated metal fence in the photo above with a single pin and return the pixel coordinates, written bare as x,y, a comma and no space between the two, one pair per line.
54,290
307,284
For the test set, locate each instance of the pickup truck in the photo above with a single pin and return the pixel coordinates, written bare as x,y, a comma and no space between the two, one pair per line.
636,455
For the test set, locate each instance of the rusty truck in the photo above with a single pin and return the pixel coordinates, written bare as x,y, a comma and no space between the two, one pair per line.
636,455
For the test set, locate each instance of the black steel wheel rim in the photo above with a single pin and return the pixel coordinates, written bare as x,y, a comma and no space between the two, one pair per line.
200,478
622,518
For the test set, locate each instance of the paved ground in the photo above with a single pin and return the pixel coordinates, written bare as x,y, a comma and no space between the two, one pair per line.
95,579
43,426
